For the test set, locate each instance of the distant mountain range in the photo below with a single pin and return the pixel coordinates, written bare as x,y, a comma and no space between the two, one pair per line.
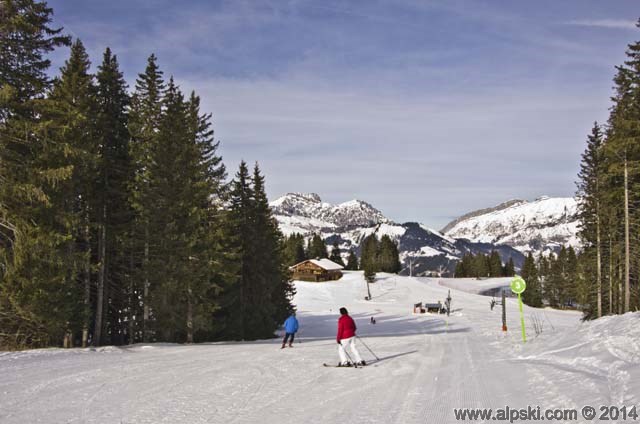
541,226
512,228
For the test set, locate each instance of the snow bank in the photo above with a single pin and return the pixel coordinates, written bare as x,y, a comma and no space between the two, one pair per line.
473,285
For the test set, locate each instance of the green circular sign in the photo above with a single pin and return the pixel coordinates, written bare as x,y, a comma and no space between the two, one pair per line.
518,285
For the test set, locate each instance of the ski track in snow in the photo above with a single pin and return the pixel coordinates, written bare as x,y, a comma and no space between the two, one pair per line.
429,364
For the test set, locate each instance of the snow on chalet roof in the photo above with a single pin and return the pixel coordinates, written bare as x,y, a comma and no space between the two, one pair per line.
325,263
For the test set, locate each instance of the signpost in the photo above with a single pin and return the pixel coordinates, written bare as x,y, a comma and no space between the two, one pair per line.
518,286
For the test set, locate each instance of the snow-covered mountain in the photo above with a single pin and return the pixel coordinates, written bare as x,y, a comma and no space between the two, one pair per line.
541,226
308,212
427,251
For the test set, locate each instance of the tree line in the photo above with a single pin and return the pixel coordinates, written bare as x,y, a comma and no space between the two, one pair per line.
117,222
554,280
376,255
484,266
609,200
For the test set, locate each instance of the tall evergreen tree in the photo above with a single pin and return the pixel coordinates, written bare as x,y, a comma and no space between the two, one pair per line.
388,256
144,126
352,261
460,271
495,265
317,247
271,269
112,207
34,259
532,296
335,254
71,110
369,257
237,302
211,258
510,268
622,162
294,249
590,211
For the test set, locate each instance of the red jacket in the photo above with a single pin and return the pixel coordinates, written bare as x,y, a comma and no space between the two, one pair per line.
346,328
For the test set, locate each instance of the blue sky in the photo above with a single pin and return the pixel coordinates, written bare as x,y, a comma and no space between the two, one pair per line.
426,109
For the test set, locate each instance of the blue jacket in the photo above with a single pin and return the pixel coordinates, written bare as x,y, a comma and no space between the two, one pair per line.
291,324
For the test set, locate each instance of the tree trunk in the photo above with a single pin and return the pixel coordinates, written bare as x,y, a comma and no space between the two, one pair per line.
599,262
145,314
627,291
133,298
87,286
620,291
189,316
102,253
610,276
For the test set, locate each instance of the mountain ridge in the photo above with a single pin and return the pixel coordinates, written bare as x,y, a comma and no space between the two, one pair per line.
427,251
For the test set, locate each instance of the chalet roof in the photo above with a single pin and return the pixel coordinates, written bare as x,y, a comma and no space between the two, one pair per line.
323,263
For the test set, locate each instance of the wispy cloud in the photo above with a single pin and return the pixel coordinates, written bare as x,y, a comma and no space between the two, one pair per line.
604,23
425,108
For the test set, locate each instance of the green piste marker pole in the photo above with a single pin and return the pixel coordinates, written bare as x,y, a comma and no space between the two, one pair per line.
518,285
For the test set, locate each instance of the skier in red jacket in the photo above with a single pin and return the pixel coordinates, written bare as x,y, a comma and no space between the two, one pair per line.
347,337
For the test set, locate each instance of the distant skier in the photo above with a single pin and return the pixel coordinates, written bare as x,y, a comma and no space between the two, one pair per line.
372,320
290,328
347,337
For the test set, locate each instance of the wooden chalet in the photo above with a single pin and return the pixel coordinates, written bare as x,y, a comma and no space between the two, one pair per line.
316,270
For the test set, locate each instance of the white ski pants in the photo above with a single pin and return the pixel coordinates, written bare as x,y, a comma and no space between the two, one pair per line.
351,342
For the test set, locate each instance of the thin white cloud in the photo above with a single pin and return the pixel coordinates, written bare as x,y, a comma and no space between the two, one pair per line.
604,23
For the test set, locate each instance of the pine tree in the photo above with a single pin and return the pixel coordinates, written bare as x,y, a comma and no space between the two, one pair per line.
571,276
622,159
179,235
590,211
532,296
210,261
277,285
388,259
112,208
369,257
495,265
23,61
261,297
352,261
294,249
237,302
481,266
71,108
335,254
510,268
144,127
317,247
468,266
34,259
460,272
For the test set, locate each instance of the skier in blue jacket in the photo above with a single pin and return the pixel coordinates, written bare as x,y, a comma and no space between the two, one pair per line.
290,328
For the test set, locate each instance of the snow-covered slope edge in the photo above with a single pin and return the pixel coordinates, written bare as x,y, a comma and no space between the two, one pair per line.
541,226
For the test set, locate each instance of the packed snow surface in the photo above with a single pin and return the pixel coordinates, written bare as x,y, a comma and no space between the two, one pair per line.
428,365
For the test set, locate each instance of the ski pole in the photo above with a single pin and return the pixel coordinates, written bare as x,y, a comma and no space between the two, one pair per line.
348,356
365,345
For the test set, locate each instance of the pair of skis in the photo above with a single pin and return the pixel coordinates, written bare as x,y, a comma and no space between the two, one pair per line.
343,366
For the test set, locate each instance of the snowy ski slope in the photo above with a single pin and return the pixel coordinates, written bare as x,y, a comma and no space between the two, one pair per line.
429,364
